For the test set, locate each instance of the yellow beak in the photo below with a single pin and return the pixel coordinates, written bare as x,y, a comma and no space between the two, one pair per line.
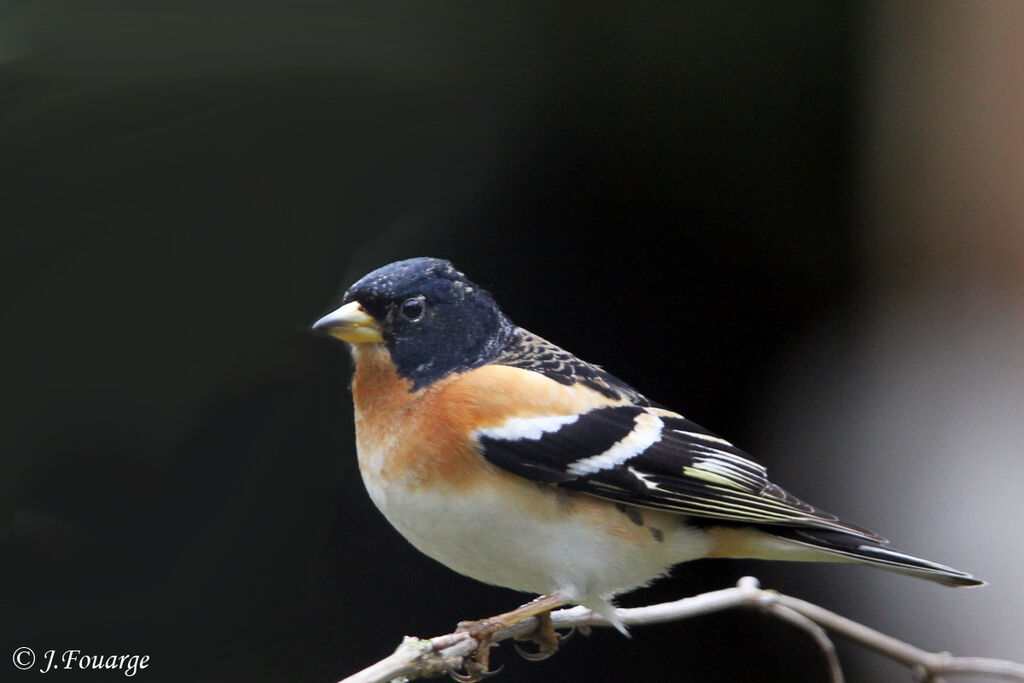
351,323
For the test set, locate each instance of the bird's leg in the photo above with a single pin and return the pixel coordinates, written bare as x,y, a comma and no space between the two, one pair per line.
484,629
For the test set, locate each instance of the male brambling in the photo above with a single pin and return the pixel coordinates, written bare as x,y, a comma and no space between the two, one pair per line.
514,462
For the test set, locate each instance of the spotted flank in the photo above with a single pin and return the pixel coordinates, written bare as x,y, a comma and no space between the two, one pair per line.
632,513
650,457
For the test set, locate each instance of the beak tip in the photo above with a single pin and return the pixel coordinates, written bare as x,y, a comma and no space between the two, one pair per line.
323,323
350,323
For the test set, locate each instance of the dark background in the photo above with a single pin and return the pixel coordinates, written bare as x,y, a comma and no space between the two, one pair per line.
667,189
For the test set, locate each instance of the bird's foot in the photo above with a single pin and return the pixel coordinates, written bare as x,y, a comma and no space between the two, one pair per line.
546,638
478,668
485,629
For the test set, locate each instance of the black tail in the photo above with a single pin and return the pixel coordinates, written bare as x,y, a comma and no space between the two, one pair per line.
857,549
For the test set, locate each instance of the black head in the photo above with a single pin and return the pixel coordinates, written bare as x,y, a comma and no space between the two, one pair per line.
432,319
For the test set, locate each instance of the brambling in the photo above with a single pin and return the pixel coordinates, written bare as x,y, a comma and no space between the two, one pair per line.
514,462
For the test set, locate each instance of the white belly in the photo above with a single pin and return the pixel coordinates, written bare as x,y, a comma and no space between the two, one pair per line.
500,541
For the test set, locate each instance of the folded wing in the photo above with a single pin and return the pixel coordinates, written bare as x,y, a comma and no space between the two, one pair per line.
647,456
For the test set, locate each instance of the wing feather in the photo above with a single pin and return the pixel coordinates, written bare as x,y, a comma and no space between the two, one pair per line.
647,456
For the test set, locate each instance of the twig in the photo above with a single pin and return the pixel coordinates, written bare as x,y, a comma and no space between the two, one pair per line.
817,633
417,657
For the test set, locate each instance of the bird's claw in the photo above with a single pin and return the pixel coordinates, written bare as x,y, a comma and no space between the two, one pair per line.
546,637
538,656
474,672
478,668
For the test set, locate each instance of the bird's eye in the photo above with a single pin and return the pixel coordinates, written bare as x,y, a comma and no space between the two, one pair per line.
412,309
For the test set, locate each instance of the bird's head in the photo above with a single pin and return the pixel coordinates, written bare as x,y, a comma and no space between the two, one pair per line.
430,317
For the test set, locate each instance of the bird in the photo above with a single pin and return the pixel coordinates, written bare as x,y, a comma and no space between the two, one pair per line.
516,463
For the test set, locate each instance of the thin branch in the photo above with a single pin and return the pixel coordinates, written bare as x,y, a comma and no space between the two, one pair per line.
817,633
417,657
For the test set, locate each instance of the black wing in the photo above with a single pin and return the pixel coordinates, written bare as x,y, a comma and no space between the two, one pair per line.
647,456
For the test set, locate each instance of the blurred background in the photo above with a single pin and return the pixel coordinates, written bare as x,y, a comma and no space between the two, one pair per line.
809,217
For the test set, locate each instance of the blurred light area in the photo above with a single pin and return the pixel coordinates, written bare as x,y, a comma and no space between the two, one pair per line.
915,400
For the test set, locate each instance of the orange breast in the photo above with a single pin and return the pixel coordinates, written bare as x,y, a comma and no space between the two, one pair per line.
424,437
